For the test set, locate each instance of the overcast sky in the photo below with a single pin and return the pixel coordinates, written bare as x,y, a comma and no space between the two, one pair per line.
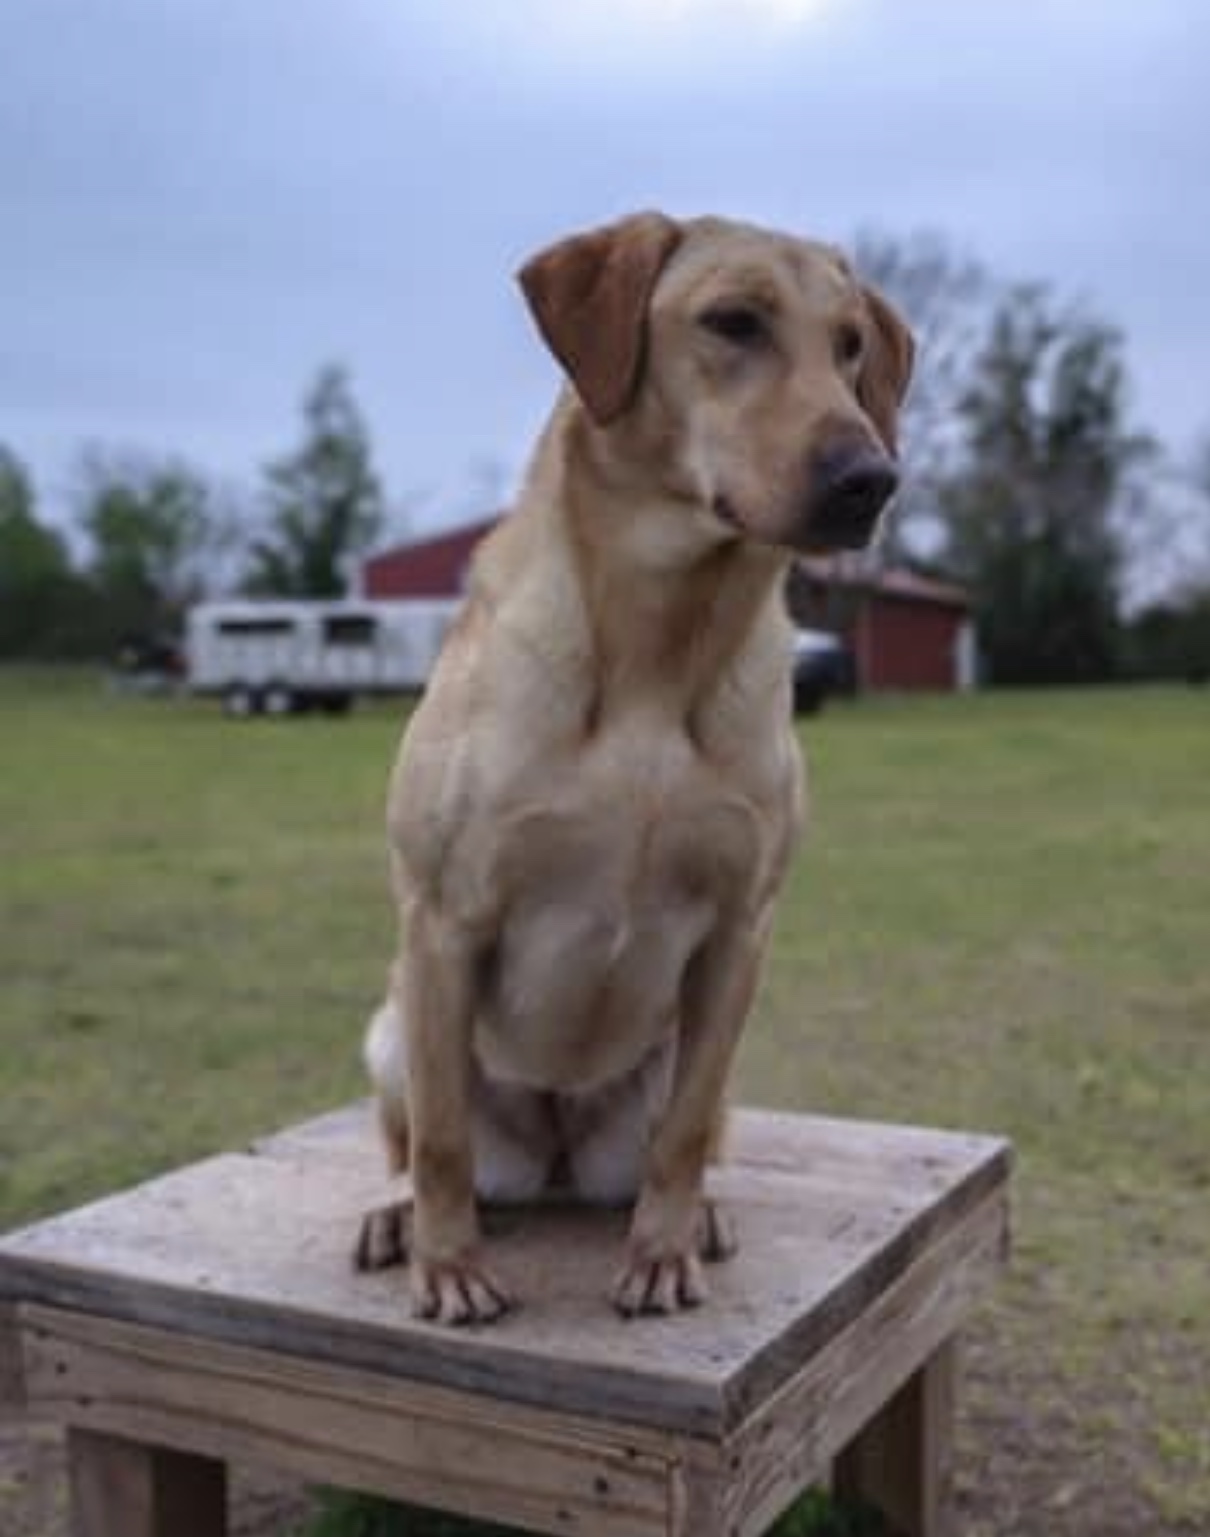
202,200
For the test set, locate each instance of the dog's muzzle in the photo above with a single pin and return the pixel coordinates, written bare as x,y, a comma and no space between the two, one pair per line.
849,486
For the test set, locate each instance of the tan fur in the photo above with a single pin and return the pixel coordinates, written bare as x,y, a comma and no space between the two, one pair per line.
589,297
882,385
594,805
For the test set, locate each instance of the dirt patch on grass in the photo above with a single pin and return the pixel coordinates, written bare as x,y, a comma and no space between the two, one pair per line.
1031,1463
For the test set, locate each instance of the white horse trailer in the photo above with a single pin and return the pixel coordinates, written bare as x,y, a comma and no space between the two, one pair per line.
277,657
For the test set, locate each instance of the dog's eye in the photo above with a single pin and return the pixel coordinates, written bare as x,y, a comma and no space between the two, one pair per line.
850,344
737,323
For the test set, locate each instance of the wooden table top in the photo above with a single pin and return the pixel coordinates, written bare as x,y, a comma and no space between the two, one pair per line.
254,1248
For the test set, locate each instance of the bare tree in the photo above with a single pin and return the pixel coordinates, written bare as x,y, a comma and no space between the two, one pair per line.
1194,534
946,296
1162,521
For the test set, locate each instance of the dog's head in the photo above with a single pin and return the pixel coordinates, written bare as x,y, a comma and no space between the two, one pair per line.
747,372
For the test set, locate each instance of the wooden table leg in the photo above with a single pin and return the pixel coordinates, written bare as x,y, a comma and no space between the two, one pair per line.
902,1461
122,1488
698,1505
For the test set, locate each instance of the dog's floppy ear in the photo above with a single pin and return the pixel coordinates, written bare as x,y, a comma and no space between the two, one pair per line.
887,369
589,296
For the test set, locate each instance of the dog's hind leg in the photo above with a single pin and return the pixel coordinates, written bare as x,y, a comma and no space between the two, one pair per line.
607,1132
382,1239
386,1061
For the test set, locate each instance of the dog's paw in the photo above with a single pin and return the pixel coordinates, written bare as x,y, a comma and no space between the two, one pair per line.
383,1238
659,1283
716,1237
456,1292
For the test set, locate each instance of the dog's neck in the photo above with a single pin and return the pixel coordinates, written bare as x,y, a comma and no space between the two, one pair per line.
671,604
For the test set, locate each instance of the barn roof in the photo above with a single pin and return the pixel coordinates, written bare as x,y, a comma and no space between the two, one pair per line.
438,563
432,567
893,581
460,535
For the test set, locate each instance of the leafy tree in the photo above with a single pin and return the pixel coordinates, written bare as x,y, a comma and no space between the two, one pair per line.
1171,639
1032,515
324,500
153,527
43,607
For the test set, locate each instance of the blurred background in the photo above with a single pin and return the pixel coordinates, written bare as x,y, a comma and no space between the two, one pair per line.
215,214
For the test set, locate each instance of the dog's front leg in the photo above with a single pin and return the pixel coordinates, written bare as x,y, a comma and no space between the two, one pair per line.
662,1270
448,1278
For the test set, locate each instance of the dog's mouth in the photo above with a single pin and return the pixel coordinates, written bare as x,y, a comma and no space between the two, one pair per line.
833,529
724,510
839,529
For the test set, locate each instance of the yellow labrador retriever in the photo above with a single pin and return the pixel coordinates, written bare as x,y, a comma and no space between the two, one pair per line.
594,805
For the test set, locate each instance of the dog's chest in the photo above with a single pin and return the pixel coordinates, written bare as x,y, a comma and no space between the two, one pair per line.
609,882
640,821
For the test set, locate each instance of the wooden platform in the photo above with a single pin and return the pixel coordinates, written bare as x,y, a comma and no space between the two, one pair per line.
214,1312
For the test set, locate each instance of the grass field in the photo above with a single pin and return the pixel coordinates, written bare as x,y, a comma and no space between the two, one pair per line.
999,921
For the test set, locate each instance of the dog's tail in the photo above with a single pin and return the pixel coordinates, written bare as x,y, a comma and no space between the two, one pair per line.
385,1055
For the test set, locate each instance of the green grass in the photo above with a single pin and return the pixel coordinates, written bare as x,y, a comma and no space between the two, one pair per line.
353,1515
998,921
194,922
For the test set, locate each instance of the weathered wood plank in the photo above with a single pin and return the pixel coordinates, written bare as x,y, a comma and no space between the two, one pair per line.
546,1472
791,1438
122,1489
799,1143
254,1248
12,1373
349,1129
902,1460
825,1148
698,1507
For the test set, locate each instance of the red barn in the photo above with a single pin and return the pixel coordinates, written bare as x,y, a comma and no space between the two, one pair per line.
428,568
904,631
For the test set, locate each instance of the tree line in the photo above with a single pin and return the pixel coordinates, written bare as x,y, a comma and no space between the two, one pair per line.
1085,545
154,535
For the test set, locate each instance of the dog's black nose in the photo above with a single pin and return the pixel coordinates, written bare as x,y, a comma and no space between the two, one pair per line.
849,487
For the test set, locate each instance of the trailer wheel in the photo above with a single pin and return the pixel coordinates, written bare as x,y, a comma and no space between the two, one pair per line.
241,700
278,699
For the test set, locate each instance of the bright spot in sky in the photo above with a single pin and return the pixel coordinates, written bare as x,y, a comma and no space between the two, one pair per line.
607,31
775,10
